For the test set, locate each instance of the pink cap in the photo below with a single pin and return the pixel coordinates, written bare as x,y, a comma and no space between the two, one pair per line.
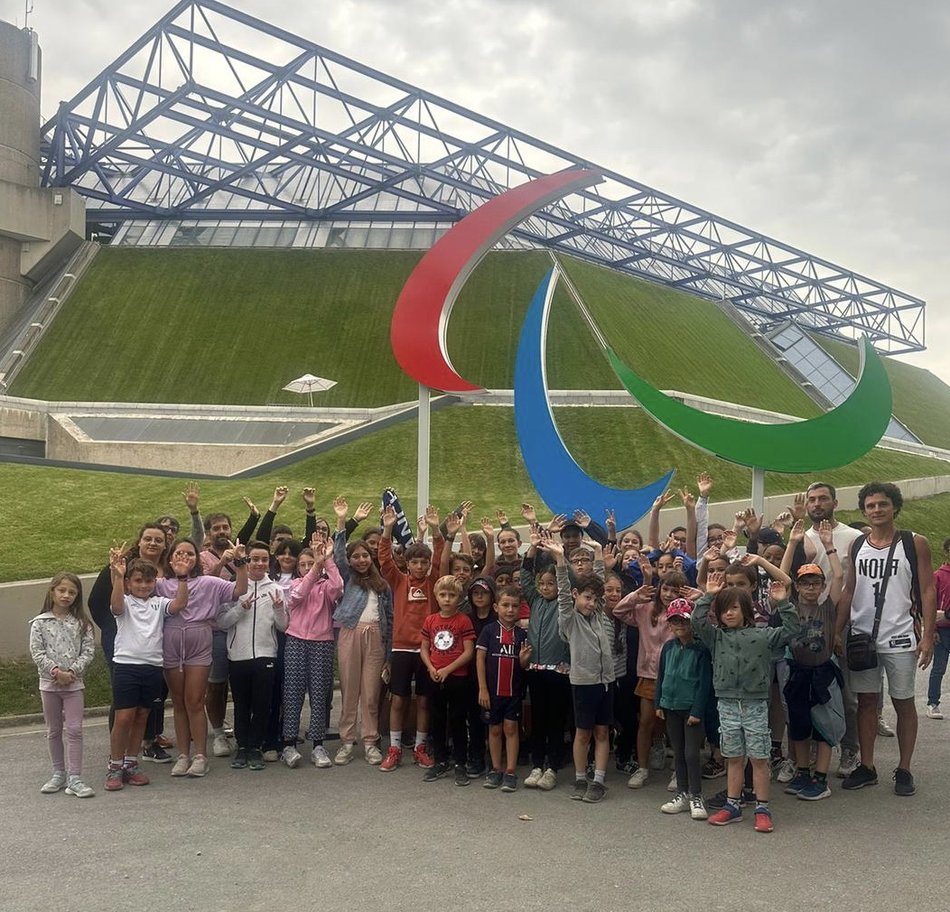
679,607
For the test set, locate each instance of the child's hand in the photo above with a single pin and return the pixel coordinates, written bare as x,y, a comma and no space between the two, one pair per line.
753,522
671,544
646,568
117,559
502,517
751,560
240,552
248,603
364,510
782,521
646,593
524,654
389,517
340,507
693,720
250,505
715,582
179,565
797,533
660,714
662,500
557,523
778,592
453,522
711,554
309,497
689,501
611,522
705,483
688,592
529,514
728,542
436,675
276,600
826,535
488,530
483,699
432,517
553,546
610,557
678,564
190,495
581,518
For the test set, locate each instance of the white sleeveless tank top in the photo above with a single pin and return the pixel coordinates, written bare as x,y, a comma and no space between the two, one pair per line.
896,633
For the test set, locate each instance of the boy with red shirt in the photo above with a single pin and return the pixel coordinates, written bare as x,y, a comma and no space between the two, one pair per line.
413,601
447,646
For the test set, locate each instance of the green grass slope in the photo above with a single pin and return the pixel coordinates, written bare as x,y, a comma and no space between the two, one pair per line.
921,399
474,455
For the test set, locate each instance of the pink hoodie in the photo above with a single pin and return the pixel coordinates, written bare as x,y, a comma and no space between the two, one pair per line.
942,585
312,600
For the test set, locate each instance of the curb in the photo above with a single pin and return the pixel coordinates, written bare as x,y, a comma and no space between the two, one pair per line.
90,712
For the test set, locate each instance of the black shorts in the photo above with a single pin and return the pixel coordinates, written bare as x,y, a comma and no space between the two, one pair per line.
406,667
593,705
135,686
504,709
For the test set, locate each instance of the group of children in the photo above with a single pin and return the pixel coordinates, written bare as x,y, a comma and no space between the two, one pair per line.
608,635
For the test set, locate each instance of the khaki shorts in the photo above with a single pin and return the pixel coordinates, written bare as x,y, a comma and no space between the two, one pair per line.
901,669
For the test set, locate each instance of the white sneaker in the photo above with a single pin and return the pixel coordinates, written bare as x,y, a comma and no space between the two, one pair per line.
847,764
533,778
199,766
320,758
291,756
271,756
548,781
77,787
676,805
374,756
933,712
344,755
221,747
671,786
181,765
54,783
697,808
883,729
638,779
658,756
787,770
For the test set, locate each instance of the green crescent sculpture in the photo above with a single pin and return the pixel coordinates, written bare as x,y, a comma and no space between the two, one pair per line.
831,440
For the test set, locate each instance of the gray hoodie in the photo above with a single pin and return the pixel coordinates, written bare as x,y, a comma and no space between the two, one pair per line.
590,638
60,643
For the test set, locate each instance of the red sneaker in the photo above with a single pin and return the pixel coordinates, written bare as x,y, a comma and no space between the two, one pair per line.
392,759
132,775
728,814
114,780
763,821
421,756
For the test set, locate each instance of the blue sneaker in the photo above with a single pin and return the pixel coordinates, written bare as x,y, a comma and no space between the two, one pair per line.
802,780
815,790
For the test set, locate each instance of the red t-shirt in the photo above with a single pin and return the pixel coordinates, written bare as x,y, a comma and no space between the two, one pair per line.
446,638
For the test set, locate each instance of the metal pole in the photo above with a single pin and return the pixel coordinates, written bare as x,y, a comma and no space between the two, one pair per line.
422,455
758,490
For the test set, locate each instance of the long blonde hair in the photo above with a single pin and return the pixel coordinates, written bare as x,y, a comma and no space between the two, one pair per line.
76,609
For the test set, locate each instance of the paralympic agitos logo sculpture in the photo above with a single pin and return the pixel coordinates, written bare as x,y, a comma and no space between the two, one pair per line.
418,336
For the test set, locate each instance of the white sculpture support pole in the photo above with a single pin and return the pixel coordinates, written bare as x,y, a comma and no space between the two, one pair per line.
758,490
422,454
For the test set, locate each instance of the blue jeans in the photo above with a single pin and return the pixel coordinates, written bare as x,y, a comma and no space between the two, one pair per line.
939,667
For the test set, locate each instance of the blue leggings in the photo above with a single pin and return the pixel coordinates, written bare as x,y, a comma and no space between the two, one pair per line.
308,669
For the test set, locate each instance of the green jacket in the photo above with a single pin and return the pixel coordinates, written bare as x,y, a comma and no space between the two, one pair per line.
742,656
684,678
548,650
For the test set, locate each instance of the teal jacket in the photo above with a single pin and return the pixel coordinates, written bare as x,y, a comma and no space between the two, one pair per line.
742,656
684,678
548,650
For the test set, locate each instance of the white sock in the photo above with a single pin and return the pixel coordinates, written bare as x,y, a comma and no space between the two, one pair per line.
395,739
421,737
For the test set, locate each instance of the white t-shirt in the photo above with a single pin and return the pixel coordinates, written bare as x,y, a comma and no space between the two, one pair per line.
138,638
370,613
843,537
896,633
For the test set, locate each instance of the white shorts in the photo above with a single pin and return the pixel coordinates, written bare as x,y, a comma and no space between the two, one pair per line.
901,668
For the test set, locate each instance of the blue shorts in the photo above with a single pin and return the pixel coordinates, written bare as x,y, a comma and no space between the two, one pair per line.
219,658
504,709
136,686
744,728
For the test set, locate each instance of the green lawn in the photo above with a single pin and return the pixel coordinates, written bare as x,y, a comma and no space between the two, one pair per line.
77,514
19,687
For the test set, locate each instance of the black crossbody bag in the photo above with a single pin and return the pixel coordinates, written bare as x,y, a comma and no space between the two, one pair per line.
861,648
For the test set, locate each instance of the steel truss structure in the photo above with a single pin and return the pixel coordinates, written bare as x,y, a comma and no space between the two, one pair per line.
215,116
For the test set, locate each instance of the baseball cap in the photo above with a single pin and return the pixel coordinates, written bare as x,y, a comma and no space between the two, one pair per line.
679,607
809,570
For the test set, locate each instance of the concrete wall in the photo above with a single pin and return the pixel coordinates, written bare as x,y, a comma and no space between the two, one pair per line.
26,424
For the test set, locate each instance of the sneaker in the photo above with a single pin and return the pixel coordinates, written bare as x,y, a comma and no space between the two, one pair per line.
786,771
181,765
114,781
883,729
672,785
199,766
494,779
155,754
54,783
676,805
533,779
933,712
393,759
719,799
163,742
509,782
437,771
726,814
421,757
255,760
580,790
133,775
815,790
904,783
373,755
344,755
775,762
291,756
461,775
596,791
240,759
271,756
221,747
801,780
320,758
657,756
548,781
77,787
697,808
847,764
713,769
861,777
475,769
763,820
638,779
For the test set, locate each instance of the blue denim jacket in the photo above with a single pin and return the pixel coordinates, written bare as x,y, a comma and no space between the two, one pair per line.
353,603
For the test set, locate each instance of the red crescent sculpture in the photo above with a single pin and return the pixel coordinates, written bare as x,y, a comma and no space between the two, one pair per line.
421,315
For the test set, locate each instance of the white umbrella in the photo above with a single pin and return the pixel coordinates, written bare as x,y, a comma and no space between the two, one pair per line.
308,383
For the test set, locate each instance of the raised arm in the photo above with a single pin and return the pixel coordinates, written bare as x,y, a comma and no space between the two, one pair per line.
190,495
653,529
117,569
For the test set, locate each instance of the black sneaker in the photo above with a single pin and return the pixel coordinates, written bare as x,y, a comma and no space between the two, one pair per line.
713,769
255,760
627,767
509,782
156,754
719,799
493,779
461,777
861,777
904,783
595,792
437,772
475,769
580,790
240,759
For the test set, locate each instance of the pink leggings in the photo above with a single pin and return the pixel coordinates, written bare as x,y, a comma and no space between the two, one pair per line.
63,710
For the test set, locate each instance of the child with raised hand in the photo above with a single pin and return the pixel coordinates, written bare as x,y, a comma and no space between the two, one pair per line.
683,688
584,626
138,658
308,652
502,654
742,665
447,644
62,644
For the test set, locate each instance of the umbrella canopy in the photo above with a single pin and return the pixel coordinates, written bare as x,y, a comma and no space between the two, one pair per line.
308,383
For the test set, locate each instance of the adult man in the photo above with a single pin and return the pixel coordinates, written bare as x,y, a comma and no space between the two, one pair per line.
882,562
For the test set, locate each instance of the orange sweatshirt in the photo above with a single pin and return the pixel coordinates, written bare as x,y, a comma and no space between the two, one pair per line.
413,600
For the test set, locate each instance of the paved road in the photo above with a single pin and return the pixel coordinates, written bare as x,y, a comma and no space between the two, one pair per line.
356,838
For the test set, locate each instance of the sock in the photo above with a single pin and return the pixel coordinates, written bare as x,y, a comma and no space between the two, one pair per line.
130,761
821,777
804,771
580,774
115,764
395,739
733,803
421,738
510,771
599,776
761,805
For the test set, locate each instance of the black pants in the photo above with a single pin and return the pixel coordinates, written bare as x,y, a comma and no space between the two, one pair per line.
687,742
626,717
449,705
274,739
551,705
477,729
252,685
156,717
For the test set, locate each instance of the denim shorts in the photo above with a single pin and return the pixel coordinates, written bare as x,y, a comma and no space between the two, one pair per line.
744,728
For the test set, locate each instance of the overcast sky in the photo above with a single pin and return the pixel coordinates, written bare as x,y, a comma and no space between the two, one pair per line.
822,123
